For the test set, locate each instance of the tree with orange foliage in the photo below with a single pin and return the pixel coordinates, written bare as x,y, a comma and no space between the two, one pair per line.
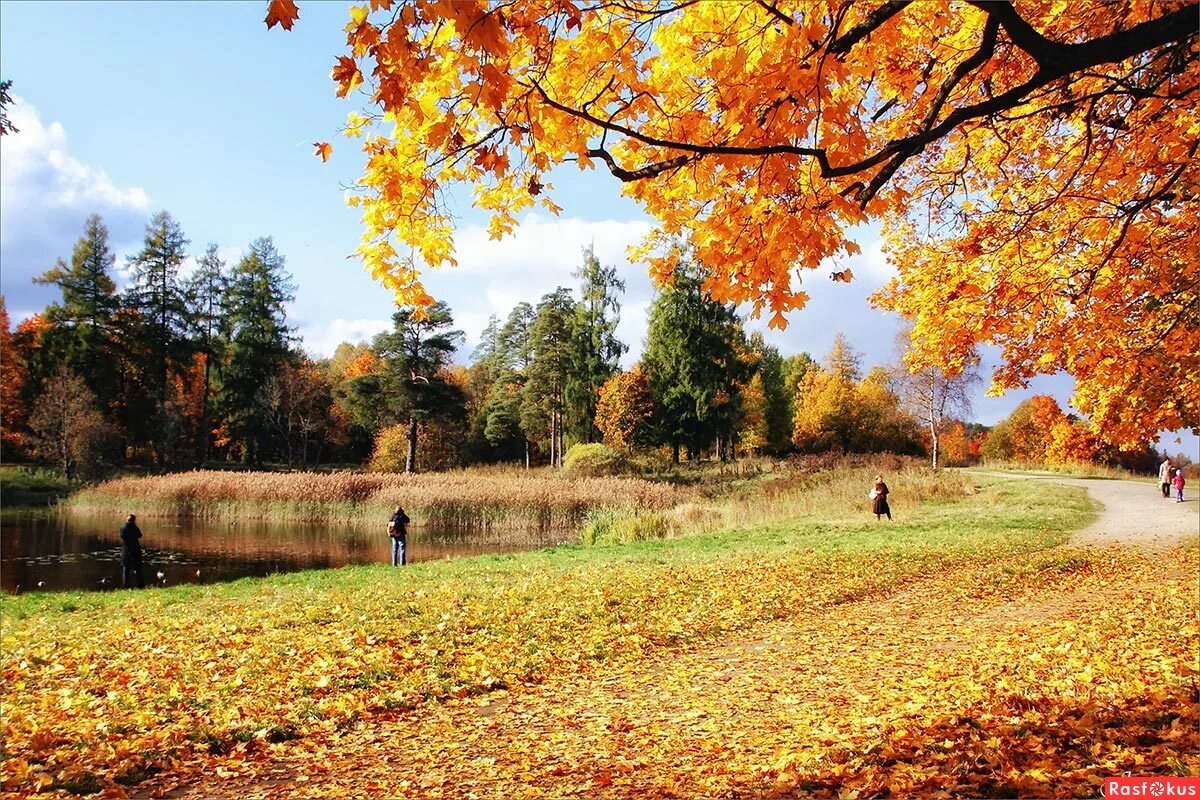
1026,434
624,409
13,377
1031,168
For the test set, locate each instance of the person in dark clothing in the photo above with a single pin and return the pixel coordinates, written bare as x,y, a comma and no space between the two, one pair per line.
398,531
131,553
879,503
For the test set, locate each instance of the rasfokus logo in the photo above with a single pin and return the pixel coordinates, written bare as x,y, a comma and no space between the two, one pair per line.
1153,786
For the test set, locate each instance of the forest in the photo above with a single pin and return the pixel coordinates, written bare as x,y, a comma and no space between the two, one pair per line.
193,363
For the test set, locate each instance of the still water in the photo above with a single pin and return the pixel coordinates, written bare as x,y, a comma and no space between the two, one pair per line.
48,551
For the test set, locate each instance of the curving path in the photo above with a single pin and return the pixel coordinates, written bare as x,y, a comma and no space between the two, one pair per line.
1132,512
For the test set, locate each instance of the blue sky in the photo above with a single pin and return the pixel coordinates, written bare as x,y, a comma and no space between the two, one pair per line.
197,108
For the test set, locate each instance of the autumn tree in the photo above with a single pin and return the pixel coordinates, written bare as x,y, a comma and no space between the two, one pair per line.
596,352
414,353
931,394
766,131
14,375
1026,434
68,427
255,327
624,409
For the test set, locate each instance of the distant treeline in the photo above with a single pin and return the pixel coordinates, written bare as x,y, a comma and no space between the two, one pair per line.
178,372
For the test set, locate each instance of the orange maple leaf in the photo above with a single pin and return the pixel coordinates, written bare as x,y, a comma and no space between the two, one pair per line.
324,149
282,12
346,74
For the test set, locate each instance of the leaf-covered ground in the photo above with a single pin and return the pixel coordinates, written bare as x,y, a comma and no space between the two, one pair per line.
949,652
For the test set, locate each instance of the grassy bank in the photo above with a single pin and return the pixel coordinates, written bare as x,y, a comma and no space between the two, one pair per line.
110,688
477,497
30,486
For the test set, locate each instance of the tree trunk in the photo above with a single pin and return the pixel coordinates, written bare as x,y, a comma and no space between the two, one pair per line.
526,453
933,438
204,412
410,460
675,452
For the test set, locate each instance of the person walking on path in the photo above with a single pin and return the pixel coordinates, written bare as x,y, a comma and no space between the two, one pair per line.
878,495
1179,482
398,531
1164,477
131,553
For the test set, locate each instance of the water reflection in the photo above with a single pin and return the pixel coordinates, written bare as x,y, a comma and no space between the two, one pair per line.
47,551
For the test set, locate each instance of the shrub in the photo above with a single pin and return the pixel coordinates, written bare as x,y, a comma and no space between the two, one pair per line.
592,460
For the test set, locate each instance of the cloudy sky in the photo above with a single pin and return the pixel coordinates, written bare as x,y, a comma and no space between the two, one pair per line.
197,109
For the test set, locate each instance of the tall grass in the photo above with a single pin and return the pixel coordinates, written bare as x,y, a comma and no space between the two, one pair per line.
832,489
467,498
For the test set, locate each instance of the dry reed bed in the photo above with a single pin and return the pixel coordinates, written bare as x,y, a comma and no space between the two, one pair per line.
467,498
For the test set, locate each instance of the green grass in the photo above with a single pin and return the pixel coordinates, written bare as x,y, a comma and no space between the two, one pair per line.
30,486
1005,517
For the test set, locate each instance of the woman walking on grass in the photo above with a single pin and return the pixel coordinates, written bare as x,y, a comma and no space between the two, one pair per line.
878,495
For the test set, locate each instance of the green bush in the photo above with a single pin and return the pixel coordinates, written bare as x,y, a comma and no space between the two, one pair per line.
592,460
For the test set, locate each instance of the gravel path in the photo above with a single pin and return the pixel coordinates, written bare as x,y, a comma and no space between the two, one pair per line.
1134,512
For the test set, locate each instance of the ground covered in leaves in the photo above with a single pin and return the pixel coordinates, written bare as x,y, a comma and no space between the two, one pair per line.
963,652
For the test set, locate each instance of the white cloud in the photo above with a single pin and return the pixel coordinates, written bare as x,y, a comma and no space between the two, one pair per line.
46,193
540,255
322,338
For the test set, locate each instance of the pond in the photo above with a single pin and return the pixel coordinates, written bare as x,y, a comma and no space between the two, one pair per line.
52,551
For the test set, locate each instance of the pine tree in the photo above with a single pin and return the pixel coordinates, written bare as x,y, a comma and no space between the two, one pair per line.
82,332
596,354
691,360
206,296
544,393
256,328
156,292
416,352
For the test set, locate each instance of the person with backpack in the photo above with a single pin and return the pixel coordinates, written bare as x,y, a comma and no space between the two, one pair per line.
1179,483
398,531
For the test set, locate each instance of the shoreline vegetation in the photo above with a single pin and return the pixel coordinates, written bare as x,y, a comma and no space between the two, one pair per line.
601,509
103,689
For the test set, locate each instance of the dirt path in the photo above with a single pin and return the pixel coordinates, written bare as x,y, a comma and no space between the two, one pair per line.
1134,512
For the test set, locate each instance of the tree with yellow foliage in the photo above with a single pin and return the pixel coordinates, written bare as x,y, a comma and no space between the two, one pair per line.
1032,165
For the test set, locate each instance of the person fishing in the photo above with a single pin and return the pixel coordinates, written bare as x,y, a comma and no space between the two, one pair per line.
131,554
398,531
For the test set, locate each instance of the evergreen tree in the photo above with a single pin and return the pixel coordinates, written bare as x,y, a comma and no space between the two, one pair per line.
156,292
691,359
544,394
776,409
509,362
416,353
597,351
82,333
205,295
255,326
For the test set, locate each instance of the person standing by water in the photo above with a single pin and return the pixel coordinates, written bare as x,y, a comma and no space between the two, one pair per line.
131,553
1165,475
398,531
878,496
